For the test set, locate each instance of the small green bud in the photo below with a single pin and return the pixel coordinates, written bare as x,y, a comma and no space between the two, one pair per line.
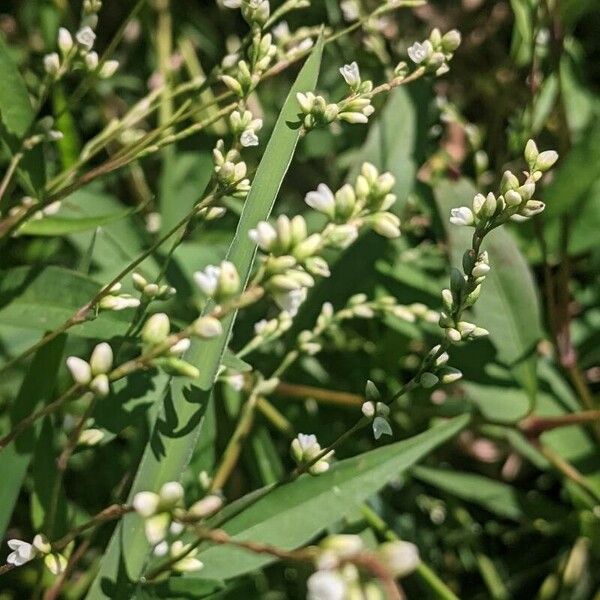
449,375
447,300
509,182
428,380
177,366
100,385
457,283
489,206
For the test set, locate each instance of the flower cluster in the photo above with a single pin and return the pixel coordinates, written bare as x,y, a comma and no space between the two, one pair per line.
305,449
79,51
244,127
24,552
337,577
93,374
168,350
292,256
114,300
436,52
355,108
165,519
218,282
247,73
152,291
230,171
515,202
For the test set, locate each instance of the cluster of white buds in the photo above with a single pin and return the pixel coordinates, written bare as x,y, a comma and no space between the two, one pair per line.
268,330
218,282
116,301
165,519
155,335
365,203
436,52
230,171
56,64
292,256
255,12
152,291
514,202
337,578
436,369
356,108
305,449
291,44
246,76
93,374
24,552
376,410
244,127
27,202
157,510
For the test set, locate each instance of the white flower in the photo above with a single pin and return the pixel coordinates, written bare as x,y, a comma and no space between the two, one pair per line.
22,552
417,52
290,301
80,370
249,138
264,235
86,37
321,200
351,74
461,216
208,279
326,585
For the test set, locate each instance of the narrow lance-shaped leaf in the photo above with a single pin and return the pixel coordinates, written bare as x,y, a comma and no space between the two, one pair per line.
176,431
293,514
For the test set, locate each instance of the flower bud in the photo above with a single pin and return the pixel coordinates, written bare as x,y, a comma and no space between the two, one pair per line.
170,494
65,41
206,507
368,409
156,329
102,359
108,69
428,380
139,282
146,503
80,370
100,385
400,557
513,198
343,545
178,367
51,63
509,182
451,40
449,375
386,224
229,280
545,160
207,327
531,153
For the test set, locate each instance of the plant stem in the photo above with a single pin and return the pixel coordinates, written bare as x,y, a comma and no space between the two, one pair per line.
336,398
10,171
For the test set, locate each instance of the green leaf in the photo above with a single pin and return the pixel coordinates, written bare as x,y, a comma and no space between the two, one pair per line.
508,306
43,299
497,497
15,108
231,361
176,431
293,514
16,117
57,226
36,391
